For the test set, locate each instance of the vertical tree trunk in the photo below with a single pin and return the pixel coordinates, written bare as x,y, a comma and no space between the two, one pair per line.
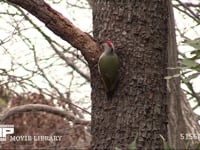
139,32
174,98
181,118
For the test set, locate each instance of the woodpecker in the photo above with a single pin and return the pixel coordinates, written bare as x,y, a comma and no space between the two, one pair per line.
108,66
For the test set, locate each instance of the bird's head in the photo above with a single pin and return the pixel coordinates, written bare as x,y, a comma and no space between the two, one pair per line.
108,46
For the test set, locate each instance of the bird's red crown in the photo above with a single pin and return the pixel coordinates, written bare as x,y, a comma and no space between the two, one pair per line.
109,43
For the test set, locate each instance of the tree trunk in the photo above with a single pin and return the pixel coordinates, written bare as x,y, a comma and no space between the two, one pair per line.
175,116
139,32
182,120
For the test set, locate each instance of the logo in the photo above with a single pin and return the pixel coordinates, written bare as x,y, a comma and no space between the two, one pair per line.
5,130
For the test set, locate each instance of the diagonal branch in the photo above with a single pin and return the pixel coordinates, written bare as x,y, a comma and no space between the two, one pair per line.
44,108
60,54
62,27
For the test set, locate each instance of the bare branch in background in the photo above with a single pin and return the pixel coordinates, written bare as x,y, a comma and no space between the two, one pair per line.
190,11
186,9
67,55
60,54
44,108
77,5
62,27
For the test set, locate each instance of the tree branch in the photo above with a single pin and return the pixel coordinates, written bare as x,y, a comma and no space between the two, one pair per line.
44,108
62,27
60,54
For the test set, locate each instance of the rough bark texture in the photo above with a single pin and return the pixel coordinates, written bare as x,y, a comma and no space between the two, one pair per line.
62,27
139,31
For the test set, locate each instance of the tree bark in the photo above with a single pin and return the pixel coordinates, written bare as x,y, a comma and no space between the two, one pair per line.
139,31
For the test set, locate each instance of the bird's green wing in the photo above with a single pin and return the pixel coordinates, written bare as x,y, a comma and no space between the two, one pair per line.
109,71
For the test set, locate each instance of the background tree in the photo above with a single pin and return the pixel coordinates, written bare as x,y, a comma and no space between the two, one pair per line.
60,55
187,121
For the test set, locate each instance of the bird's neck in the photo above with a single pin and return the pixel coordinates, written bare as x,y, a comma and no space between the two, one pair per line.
109,51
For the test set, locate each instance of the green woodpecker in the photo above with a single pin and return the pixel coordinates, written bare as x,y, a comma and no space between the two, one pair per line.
108,66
